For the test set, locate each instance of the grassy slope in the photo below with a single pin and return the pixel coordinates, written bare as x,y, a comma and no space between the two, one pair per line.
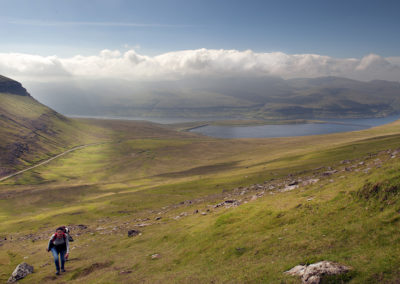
147,168
32,132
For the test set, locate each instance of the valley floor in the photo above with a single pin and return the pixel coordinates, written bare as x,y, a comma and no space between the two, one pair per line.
209,210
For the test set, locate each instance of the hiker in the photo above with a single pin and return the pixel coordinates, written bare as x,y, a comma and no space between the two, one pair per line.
67,232
59,245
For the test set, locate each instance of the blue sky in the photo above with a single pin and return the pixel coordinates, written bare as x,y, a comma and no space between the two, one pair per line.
336,28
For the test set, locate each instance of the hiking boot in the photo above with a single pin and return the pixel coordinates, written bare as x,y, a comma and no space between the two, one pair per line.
62,270
58,273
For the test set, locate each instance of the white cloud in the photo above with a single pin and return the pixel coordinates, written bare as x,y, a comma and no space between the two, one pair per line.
129,65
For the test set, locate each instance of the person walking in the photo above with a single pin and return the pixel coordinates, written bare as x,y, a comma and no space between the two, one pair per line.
59,247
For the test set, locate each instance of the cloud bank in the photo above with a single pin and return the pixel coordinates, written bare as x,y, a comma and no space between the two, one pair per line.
132,66
116,82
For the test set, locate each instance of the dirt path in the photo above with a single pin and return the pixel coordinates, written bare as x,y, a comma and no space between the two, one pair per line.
47,161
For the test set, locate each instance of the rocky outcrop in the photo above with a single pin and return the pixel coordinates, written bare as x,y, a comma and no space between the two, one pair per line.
21,271
133,233
10,86
314,273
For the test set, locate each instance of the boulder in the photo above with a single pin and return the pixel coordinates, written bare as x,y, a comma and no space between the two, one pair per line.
21,271
314,273
132,233
298,270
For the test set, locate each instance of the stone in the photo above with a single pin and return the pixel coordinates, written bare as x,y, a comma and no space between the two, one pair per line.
155,256
158,218
328,173
310,181
289,188
133,233
44,264
314,273
21,271
298,270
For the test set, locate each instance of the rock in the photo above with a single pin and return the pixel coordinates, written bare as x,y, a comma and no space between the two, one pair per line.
218,205
314,273
133,233
82,227
10,86
21,271
44,264
125,272
293,182
143,225
298,270
158,218
328,173
310,181
289,188
155,256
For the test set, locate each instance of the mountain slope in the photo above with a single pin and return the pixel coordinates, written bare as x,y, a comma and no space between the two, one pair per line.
263,97
30,131
170,188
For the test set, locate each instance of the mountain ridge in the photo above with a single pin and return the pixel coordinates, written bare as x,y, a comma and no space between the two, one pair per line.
259,98
30,131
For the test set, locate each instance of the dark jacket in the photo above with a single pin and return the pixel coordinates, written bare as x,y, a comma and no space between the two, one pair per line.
61,244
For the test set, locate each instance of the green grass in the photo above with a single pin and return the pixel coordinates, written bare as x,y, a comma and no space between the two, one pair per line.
145,169
39,131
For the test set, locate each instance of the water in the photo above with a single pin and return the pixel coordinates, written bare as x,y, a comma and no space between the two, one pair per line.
287,130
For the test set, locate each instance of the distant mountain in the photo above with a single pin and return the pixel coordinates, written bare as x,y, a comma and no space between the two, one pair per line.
30,131
249,97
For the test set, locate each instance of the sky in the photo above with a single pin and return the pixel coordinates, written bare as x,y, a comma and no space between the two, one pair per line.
340,28
47,44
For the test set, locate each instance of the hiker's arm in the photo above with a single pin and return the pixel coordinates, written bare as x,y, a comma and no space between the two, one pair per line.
49,244
67,243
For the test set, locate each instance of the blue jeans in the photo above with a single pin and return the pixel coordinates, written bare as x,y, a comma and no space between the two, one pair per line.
62,258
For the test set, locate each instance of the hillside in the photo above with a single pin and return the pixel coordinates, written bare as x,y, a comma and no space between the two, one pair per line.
209,210
32,132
